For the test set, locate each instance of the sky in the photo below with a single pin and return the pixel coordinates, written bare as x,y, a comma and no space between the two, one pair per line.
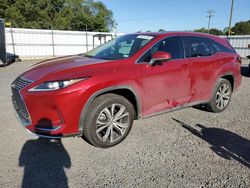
175,15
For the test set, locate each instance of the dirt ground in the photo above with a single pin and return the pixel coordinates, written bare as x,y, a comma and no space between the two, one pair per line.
186,148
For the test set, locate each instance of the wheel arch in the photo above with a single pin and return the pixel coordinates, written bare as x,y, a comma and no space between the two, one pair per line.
230,78
125,91
211,105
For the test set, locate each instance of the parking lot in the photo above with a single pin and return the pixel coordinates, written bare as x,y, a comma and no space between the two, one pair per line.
186,148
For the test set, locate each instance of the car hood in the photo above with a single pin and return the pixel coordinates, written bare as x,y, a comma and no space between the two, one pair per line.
68,67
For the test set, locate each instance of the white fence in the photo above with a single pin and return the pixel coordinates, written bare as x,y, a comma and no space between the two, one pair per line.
38,43
34,43
240,44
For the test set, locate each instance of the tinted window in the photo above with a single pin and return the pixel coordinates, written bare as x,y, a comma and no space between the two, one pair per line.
172,45
146,57
199,46
221,48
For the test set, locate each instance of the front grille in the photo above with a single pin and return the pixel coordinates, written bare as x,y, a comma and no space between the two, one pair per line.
17,100
21,83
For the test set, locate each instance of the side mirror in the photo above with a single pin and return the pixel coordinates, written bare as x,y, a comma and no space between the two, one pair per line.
159,56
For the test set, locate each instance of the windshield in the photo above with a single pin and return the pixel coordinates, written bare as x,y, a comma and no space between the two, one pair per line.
120,48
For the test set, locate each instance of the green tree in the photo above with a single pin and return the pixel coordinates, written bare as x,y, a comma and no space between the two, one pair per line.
212,31
201,30
161,30
62,14
241,28
92,14
215,31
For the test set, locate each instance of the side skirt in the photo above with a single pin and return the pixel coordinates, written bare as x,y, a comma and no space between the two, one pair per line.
175,109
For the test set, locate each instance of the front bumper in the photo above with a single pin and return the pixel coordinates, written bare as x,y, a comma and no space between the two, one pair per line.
51,114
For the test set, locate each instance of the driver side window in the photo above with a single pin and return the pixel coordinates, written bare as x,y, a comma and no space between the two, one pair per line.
172,45
146,57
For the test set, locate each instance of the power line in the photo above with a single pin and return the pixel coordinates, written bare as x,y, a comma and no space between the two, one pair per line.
210,15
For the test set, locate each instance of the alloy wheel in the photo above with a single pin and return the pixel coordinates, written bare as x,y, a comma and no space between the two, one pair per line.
112,123
223,96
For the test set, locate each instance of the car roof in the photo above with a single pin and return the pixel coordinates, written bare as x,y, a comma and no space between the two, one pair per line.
160,35
180,33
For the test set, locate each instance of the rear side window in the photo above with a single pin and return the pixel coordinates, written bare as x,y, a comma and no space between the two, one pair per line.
198,46
221,48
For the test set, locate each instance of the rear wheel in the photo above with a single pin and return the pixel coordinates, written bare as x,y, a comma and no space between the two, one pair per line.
249,68
108,120
221,96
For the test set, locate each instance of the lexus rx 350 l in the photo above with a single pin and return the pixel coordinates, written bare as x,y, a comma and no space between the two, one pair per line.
99,94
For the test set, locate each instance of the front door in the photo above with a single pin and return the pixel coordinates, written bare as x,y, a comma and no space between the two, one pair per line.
166,84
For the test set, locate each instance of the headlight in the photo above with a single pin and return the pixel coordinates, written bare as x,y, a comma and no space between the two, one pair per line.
55,85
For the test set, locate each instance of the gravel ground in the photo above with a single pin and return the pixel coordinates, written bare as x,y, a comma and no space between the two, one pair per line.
186,148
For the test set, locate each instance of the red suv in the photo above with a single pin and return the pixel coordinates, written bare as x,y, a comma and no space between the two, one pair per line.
97,95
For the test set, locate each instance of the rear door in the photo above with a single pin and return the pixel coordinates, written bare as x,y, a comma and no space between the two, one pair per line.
204,62
166,84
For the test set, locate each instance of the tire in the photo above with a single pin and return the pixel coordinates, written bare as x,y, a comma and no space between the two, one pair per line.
248,69
221,96
108,120
18,60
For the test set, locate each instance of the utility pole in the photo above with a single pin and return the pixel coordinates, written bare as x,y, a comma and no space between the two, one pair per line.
116,30
52,39
52,30
230,18
210,14
87,45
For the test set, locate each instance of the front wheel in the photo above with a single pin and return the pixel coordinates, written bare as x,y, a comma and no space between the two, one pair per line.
221,96
108,120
